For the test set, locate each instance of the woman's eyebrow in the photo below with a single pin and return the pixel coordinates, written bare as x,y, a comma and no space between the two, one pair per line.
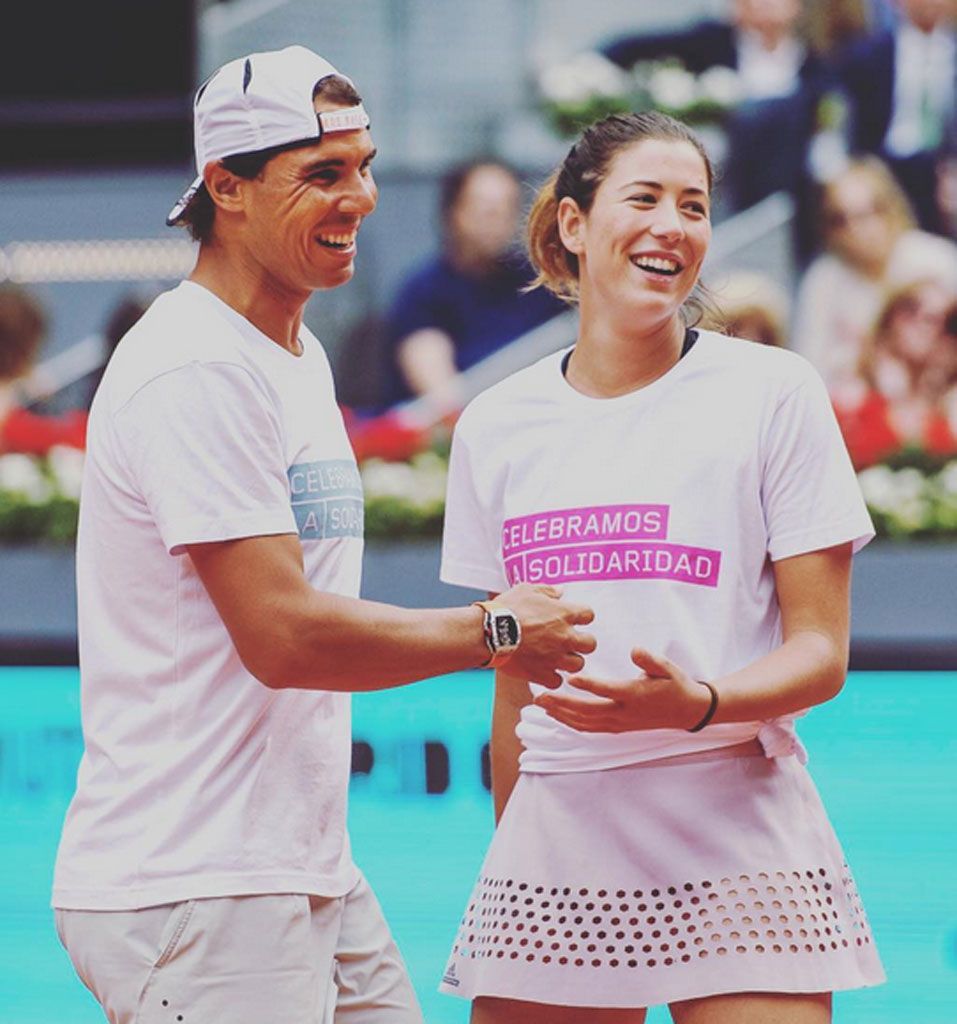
657,185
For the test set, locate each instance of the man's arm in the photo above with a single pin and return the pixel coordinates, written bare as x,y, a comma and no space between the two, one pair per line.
288,634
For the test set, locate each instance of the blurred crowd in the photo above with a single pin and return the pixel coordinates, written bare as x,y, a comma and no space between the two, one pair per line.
849,106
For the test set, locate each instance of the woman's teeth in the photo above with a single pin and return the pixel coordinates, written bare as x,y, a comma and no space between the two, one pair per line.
657,264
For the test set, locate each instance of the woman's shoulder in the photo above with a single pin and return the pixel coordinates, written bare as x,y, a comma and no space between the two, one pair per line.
741,356
749,375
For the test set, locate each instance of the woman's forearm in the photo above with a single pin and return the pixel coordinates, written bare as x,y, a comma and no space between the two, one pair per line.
808,668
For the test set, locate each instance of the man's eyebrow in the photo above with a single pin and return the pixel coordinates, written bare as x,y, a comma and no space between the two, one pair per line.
334,162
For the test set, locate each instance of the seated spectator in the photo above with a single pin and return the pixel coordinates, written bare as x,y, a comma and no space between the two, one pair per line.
906,378
751,306
22,330
781,82
899,82
469,301
871,246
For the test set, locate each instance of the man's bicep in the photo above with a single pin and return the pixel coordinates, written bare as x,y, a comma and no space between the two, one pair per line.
255,583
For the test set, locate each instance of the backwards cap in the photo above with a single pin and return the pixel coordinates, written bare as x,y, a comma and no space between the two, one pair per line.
261,102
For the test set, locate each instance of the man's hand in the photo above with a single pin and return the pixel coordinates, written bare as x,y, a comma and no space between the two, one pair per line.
665,697
550,643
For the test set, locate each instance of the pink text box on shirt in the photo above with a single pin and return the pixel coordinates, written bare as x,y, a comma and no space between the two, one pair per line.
618,561
593,522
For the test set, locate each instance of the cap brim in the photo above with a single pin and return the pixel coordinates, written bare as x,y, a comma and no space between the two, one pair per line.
176,214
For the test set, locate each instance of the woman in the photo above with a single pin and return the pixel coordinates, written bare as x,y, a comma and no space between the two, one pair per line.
905,378
871,245
658,839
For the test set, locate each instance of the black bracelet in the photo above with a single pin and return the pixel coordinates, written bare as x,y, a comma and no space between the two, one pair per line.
709,714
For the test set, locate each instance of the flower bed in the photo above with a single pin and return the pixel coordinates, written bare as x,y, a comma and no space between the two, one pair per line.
912,496
588,86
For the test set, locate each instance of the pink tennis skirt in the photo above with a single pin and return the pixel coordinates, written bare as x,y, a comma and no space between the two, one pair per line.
655,883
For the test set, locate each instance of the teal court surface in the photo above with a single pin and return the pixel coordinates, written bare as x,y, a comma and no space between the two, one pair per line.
883,754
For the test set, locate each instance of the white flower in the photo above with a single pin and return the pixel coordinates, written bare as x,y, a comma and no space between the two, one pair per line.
672,87
720,85
877,486
912,513
420,482
947,478
21,474
66,465
381,479
910,485
582,77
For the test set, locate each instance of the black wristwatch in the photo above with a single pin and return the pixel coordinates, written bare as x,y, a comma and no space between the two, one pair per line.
503,634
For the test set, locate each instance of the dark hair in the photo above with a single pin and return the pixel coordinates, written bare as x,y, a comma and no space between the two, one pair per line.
23,325
582,172
454,181
199,215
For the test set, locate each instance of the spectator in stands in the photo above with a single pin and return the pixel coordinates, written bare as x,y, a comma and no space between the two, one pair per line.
782,81
749,305
871,245
23,326
468,302
901,83
906,375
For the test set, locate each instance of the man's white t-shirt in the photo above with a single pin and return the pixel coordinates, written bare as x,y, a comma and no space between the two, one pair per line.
663,509
197,780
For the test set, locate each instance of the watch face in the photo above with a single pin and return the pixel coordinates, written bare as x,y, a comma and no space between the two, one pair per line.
506,630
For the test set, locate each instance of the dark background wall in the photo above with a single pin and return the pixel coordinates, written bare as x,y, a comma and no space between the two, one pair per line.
97,82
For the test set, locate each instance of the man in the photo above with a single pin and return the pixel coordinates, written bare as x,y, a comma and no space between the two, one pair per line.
901,84
468,302
204,872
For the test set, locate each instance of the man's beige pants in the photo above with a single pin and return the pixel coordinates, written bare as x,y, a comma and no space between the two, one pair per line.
283,959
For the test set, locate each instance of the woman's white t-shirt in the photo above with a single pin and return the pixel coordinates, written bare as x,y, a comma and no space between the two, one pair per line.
663,509
197,780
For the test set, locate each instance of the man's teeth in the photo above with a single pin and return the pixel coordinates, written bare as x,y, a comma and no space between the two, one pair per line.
657,263
338,241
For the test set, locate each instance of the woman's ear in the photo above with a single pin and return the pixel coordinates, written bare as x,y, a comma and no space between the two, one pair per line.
226,189
571,224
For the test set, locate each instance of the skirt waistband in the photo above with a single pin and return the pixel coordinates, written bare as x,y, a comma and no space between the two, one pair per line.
748,748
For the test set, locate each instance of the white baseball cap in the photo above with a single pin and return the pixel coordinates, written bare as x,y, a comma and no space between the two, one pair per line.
261,102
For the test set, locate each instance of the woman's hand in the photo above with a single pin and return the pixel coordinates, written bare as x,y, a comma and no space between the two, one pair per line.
665,697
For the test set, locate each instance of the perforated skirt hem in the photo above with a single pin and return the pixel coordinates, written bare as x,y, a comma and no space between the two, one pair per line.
652,884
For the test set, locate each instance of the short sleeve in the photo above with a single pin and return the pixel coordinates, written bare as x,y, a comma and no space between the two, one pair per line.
203,445
470,539
810,494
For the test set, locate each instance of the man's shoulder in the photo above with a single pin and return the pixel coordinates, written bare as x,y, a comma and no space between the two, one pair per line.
182,327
